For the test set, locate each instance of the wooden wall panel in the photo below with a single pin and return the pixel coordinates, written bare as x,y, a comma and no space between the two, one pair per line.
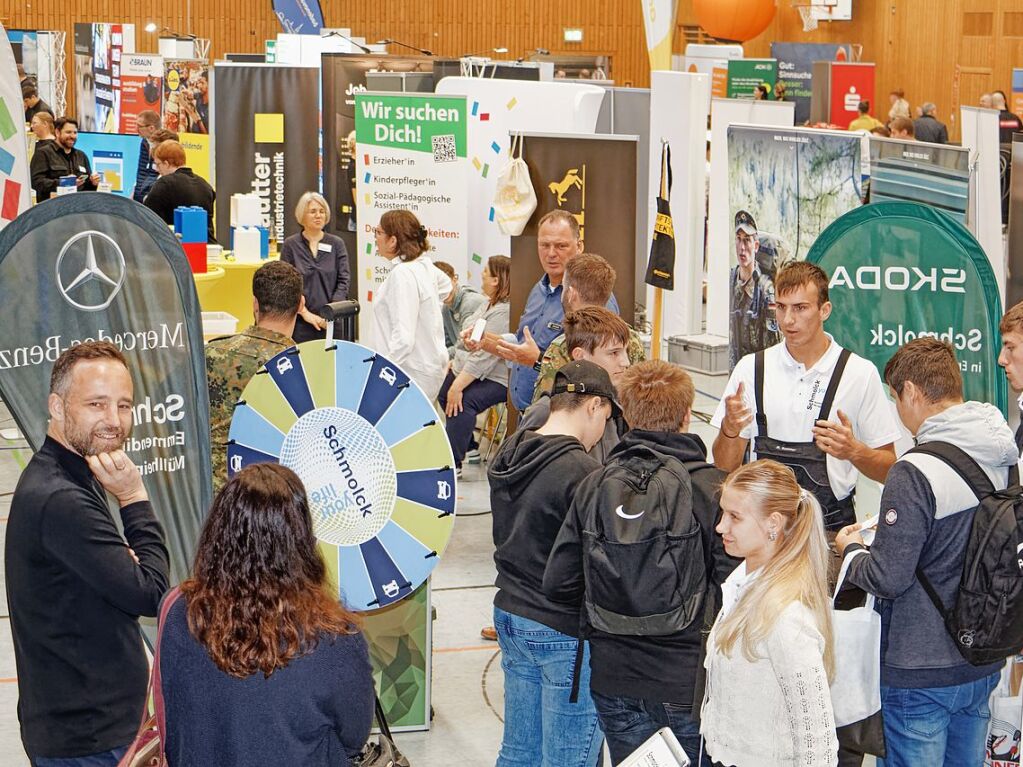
918,45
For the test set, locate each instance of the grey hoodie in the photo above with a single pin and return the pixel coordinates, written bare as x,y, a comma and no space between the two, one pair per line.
925,519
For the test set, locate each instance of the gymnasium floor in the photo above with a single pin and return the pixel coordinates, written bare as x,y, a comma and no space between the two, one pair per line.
467,680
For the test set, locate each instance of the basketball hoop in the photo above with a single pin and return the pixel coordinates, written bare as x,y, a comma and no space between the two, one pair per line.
809,17
814,11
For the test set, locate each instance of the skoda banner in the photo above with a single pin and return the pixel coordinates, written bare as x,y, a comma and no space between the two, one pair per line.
266,139
902,270
101,267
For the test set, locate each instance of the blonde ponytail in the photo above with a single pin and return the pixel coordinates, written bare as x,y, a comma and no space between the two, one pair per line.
796,573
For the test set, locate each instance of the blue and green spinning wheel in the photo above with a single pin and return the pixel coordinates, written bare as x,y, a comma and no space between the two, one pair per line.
375,462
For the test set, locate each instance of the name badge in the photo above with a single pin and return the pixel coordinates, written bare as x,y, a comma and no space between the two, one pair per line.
81,169
325,247
555,326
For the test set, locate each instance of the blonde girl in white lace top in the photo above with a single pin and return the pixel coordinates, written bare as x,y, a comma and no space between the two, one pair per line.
769,655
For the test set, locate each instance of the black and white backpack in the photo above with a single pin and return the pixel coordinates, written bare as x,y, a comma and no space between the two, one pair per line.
643,552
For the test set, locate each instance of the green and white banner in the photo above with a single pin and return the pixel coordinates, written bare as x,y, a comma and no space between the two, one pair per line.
902,270
410,154
745,75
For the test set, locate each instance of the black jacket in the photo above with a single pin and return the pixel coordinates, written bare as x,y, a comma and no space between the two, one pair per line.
182,187
74,596
50,162
927,128
532,482
655,668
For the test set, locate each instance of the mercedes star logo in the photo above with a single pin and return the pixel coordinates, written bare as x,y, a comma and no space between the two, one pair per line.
82,268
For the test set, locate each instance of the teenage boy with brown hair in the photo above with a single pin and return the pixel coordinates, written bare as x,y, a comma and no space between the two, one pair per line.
644,614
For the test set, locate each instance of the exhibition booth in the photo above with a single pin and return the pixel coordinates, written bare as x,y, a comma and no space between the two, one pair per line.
910,232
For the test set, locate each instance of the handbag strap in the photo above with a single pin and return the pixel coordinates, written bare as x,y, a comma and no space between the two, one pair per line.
154,691
385,728
155,682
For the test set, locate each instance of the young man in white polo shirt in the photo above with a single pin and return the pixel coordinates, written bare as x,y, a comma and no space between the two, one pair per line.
827,431
1011,358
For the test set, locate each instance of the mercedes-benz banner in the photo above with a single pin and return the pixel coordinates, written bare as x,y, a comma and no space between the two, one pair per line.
93,266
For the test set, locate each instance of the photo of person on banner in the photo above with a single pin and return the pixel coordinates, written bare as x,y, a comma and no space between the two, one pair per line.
785,187
186,96
752,322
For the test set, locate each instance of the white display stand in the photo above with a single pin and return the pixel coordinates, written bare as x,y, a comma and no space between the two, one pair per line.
511,105
720,232
980,136
678,114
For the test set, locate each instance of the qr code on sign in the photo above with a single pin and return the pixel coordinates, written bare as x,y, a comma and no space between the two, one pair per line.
444,149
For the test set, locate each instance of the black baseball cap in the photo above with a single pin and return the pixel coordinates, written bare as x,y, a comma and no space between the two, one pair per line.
583,377
744,222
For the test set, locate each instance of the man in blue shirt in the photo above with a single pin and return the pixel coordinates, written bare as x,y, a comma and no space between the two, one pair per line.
557,241
147,124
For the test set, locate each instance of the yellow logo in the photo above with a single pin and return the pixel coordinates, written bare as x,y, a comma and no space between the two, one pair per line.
663,225
575,178
173,80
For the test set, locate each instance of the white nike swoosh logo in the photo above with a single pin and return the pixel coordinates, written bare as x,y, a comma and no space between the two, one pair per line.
621,513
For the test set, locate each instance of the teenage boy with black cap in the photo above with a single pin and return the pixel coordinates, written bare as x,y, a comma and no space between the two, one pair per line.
532,482
644,526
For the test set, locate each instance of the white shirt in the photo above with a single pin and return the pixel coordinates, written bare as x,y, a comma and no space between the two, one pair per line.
407,322
793,396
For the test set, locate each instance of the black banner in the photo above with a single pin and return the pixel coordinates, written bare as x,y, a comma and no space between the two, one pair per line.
267,131
96,266
660,269
344,75
594,179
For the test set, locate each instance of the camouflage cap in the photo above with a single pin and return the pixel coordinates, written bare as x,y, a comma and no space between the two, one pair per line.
744,223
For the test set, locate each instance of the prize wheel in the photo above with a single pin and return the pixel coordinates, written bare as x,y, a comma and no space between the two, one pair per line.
376,464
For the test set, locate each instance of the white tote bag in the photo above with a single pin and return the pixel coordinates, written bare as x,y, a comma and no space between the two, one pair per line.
1003,735
515,199
856,689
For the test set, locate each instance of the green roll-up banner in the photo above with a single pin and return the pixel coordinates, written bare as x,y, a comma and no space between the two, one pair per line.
902,270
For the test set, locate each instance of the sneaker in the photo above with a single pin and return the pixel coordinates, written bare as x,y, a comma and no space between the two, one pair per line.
473,456
458,472
489,632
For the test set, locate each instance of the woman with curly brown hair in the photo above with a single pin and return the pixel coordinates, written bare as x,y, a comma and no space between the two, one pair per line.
259,663
407,324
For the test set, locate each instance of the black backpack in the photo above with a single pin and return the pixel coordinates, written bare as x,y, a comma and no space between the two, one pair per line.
986,621
643,553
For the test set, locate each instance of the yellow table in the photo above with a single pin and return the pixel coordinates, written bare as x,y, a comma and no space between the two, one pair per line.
231,293
205,285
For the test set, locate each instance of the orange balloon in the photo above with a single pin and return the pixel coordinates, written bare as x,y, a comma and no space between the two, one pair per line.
738,20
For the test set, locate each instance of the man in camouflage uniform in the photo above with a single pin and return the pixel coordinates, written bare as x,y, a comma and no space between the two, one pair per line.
589,281
231,361
752,322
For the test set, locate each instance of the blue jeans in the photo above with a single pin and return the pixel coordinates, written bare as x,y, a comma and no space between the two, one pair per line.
628,723
106,759
937,726
542,728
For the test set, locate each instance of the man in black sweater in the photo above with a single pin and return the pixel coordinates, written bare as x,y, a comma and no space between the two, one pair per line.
178,186
75,586
60,158
532,482
643,682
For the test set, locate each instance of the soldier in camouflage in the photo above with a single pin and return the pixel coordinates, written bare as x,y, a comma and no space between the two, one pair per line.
589,281
752,322
231,361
